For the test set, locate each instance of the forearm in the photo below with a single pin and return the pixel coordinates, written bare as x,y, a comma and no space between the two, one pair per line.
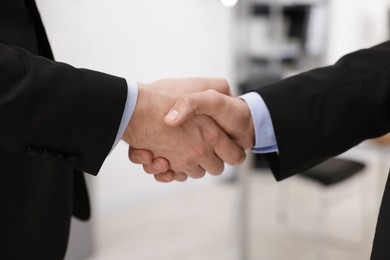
324,112
46,105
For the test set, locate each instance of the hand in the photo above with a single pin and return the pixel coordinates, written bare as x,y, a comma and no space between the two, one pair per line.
159,167
232,114
196,146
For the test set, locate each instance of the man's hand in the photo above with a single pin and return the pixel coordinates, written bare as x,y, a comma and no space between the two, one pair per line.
231,113
194,146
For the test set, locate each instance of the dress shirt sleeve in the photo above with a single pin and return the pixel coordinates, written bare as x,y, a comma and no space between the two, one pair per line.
132,96
264,130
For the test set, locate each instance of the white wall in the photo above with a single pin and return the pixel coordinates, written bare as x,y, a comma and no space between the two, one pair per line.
141,40
356,24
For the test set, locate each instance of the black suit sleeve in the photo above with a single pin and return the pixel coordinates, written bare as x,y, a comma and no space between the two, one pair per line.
55,111
324,112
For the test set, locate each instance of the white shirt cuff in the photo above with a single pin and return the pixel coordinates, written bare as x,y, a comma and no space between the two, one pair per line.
264,130
132,96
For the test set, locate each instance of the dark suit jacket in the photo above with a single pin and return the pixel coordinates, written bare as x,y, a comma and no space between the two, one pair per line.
326,111
56,121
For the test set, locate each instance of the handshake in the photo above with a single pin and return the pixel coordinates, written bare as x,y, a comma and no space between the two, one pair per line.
186,127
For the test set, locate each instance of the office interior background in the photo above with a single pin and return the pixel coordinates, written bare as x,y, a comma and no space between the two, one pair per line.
245,213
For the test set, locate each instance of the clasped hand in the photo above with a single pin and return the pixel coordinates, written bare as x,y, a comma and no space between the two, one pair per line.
186,127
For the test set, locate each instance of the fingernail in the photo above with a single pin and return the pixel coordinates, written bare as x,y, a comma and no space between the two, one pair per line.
157,166
172,115
141,158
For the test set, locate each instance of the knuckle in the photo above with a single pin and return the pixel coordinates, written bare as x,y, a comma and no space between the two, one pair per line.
197,152
159,179
160,164
212,135
149,169
187,100
181,164
213,93
219,101
224,86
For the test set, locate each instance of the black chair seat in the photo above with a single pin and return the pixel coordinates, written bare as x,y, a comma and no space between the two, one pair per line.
333,171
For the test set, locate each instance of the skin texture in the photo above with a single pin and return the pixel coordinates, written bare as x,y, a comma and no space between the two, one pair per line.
191,148
230,113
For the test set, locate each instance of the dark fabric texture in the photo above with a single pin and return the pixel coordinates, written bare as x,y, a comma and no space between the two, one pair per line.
324,112
57,122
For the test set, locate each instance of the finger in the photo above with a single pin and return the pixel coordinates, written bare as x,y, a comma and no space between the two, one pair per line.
196,172
208,102
180,177
170,176
198,175
223,146
158,165
165,177
229,151
140,156
213,164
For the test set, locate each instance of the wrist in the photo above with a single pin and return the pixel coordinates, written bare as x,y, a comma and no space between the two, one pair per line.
251,134
135,123
249,137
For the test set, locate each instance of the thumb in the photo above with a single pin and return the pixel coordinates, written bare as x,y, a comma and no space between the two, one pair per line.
208,102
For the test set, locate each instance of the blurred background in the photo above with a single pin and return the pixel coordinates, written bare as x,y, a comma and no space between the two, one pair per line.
327,213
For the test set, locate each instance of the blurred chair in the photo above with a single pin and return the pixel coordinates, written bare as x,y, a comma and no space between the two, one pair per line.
326,175
333,171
